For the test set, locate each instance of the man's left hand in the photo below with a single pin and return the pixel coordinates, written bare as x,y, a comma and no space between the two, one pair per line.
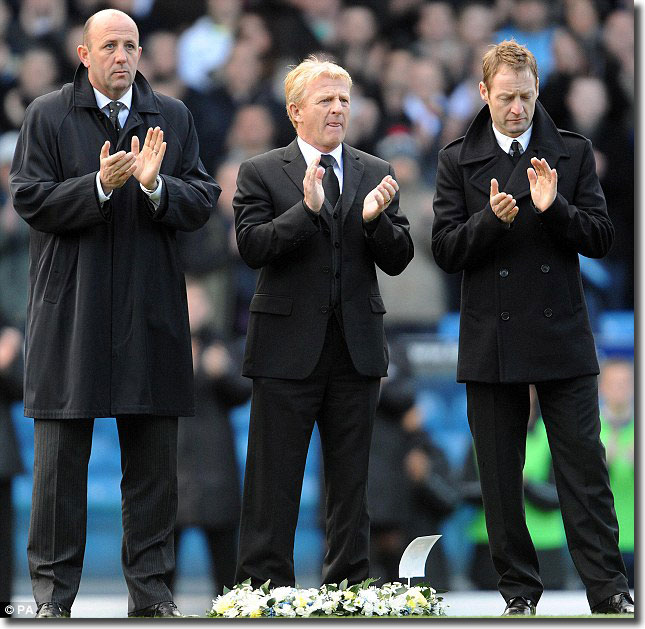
379,198
543,181
149,158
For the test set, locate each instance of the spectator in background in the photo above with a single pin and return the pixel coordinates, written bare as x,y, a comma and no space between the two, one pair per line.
416,299
587,103
38,74
424,104
569,61
14,245
241,82
205,46
251,133
359,46
531,26
322,18
582,20
11,375
475,25
67,55
38,23
365,120
618,71
437,40
160,64
410,489
238,283
208,479
542,510
616,388
393,89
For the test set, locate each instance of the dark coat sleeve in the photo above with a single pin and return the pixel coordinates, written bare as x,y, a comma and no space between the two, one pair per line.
460,241
583,225
262,236
188,198
390,243
39,196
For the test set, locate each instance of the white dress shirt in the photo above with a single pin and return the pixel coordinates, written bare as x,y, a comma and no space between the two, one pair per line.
505,142
310,154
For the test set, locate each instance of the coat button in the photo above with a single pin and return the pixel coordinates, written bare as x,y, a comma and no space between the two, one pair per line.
325,269
503,273
324,309
545,268
505,316
337,245
548,312
335,214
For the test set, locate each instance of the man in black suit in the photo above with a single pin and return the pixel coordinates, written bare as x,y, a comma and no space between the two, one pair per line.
516,201
315,347
107,330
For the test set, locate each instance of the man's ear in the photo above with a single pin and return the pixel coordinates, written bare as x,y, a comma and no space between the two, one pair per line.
83,55
483,91
294,111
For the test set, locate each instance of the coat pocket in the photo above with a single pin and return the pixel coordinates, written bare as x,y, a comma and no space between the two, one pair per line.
63,262
376,304
271,304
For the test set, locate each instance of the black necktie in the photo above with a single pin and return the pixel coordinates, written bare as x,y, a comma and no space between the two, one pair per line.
115,106
330,181
515,152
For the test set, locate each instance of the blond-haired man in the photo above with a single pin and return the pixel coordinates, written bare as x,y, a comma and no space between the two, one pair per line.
315,348
517,200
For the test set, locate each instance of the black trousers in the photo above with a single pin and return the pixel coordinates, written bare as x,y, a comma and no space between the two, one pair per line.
283,413
498,417
57,529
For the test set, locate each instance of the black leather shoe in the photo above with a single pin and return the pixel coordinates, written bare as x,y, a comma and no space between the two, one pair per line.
519,606
52,610
621,603
167,609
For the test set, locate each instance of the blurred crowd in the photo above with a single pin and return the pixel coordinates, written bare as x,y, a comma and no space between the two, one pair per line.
416,66
416,69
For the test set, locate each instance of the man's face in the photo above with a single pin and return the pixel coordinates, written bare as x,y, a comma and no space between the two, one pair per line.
511,100
323,114
112,53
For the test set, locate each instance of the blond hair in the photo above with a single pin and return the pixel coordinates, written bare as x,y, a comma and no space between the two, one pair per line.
509,53
295,83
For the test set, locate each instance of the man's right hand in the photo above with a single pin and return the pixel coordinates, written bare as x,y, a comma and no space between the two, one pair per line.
503,205
312,185
115,169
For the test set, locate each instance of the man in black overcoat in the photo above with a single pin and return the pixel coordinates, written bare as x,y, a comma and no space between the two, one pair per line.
105,172
516,201
315,347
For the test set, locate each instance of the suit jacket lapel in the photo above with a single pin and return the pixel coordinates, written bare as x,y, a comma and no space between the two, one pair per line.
295,166
480,145
352,174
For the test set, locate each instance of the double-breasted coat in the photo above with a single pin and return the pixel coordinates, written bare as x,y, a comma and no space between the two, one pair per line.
523,312
107,331
291,306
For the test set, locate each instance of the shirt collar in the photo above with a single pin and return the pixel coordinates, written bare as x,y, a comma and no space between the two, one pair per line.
310,153
505,142
102,100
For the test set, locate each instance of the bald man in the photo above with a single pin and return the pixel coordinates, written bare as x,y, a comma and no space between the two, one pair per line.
105,172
